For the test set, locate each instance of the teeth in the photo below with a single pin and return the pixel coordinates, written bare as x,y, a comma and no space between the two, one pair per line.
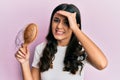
59,32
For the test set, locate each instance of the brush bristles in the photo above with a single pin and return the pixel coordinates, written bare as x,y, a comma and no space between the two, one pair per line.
30,33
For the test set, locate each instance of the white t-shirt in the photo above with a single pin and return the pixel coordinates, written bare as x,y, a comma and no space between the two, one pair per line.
56,73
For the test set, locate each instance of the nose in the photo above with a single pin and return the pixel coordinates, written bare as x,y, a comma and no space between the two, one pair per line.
59,25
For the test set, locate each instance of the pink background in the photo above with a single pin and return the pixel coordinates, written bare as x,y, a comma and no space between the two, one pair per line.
100,21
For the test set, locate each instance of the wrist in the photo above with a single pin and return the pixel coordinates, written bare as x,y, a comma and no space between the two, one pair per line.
26,63
75,29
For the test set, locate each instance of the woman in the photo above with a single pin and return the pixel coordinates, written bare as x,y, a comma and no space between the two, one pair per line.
66,49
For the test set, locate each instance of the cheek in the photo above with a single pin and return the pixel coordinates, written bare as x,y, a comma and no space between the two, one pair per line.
68,29
69,32
53,27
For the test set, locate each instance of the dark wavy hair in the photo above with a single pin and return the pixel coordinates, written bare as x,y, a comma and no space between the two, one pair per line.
73,51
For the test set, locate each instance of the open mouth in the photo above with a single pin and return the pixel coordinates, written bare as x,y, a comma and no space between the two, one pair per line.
59,32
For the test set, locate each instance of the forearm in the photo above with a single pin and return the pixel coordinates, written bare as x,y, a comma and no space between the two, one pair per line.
26,71
95,55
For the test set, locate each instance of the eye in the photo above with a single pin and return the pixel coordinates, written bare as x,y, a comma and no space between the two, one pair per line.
56,20
66,22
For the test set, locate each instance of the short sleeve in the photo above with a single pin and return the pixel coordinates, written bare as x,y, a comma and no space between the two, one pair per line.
37,54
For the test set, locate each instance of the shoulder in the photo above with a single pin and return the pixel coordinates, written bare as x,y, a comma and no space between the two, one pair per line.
39,48
41,45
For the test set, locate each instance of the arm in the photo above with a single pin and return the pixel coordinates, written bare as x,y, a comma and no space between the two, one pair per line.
26,72
95,56
36,74
22,56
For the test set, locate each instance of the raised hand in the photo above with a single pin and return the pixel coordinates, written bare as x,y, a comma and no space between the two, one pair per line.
23,54
71,18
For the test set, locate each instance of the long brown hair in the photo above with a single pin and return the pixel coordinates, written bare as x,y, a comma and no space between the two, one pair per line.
73,51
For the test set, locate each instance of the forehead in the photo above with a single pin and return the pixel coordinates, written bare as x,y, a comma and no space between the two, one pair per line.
56,15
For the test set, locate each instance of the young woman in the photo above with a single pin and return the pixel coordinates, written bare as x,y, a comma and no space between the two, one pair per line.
66,49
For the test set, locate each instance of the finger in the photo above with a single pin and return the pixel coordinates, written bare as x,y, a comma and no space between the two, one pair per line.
19,54
27,51
25,47
23,51
75,13
64,13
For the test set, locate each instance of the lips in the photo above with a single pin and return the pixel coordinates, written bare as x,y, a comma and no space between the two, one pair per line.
59,32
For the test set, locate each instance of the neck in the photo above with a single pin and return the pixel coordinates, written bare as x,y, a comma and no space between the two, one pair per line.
63,43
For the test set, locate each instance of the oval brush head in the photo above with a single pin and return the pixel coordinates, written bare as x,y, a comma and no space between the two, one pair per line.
30,33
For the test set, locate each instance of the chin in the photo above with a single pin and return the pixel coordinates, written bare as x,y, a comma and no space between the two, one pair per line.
59,37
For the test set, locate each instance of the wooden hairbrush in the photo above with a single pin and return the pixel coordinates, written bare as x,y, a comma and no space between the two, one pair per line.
30,33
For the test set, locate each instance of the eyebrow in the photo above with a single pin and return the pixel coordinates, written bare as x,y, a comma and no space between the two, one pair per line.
65,19
55,18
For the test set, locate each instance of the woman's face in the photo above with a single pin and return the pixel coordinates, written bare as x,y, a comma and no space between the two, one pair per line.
61,29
